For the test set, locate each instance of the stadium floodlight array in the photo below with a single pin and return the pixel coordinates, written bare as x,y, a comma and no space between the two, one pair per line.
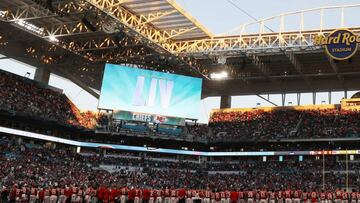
169,151
30,27
53,38
219,76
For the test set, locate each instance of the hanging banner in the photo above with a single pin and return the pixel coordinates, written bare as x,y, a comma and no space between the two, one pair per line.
132,116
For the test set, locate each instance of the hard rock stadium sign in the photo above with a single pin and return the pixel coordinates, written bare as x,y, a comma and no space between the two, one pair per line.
341,44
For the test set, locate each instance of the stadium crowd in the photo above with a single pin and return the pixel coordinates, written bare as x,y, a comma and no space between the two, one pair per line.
24,96
330,123
288,123
44,171
253,124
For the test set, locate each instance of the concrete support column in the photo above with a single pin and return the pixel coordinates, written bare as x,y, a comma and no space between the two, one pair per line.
314,98
298,98
283,98
225,102
42,75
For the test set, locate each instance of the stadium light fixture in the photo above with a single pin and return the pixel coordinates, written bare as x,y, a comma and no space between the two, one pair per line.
53,38
30,27
219,76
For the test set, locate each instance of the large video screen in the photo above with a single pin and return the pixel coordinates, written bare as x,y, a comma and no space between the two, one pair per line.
152,92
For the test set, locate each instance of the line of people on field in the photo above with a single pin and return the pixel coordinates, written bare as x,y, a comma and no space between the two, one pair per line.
102,194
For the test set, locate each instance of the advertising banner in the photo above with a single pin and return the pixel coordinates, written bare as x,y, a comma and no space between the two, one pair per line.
131,116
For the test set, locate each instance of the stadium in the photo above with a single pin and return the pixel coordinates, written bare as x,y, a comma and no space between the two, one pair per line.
174,101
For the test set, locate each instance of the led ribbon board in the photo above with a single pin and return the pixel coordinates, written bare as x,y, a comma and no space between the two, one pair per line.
168,151
341,44
151,92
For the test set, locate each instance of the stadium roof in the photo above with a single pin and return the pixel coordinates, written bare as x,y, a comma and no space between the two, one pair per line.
168,17
75,38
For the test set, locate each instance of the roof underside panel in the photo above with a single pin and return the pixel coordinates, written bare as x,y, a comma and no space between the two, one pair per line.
175,19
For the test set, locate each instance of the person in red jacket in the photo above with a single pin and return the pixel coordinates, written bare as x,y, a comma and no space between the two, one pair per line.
207,195
288,196
153,194
62,195
80,195
250,196
314,196
138,195
234,195
188,196
272,196
297,196
323,196
41,195
47,194
106,194
263,196
338,196
123,193
227,195
53,195
33,194
329,197
112,194
74,193
181,195
222,196
94,195
159,195
68,193
145,195
280,196
166,195
218,197
173,195
345,196
100,193
131,195
241,196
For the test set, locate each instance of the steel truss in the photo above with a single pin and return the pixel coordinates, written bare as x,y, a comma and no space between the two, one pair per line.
140,23
41,17
112,8
261,42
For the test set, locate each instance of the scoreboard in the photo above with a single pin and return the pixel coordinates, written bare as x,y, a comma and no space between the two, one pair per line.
151,92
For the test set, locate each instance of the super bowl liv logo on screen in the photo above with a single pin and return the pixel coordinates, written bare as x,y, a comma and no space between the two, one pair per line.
341,44
165,91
